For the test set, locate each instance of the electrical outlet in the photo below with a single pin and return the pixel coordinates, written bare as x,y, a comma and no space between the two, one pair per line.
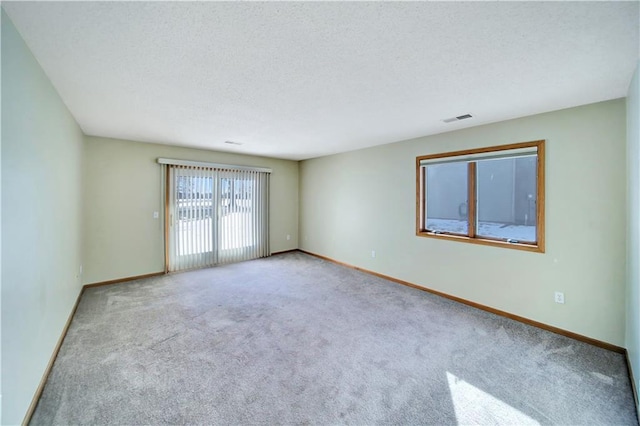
373,253
288,237
156,215
559,297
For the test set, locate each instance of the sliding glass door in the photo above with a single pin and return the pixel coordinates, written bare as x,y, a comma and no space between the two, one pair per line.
215,216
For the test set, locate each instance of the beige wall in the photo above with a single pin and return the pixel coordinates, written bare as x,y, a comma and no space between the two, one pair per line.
364,200
41,243
123,187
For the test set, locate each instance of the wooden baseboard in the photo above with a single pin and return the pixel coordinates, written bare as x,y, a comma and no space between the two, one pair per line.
524,320
284,251
47,371
122,280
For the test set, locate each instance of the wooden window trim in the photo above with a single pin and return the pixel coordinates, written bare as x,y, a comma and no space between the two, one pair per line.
471,200
538,246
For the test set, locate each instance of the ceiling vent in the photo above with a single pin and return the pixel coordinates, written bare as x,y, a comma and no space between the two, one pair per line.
233,143
458,118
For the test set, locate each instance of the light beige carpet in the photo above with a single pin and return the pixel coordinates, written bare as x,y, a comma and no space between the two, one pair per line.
292,339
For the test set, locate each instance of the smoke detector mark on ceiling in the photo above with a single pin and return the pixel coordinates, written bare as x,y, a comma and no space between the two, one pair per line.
233,143
458,118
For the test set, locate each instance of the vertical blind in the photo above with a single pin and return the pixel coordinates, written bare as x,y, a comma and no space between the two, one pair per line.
216,215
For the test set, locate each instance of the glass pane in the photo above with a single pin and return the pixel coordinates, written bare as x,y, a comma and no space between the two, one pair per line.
237,213
194,213
507,198
446,203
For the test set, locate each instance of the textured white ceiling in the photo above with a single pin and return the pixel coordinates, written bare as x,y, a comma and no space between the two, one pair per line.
301,80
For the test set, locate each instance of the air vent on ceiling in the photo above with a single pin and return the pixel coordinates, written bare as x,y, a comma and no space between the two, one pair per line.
458,118
233,143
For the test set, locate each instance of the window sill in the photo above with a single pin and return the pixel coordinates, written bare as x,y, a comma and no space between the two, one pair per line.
483,241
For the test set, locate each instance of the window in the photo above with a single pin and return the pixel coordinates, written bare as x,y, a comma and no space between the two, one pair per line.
492,196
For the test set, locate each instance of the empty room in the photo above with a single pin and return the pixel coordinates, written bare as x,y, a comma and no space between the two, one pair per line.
320,213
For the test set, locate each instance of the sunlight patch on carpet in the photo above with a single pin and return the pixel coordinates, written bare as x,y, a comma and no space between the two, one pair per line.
474,406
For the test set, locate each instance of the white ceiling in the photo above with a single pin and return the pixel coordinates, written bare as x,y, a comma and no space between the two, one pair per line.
301,80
